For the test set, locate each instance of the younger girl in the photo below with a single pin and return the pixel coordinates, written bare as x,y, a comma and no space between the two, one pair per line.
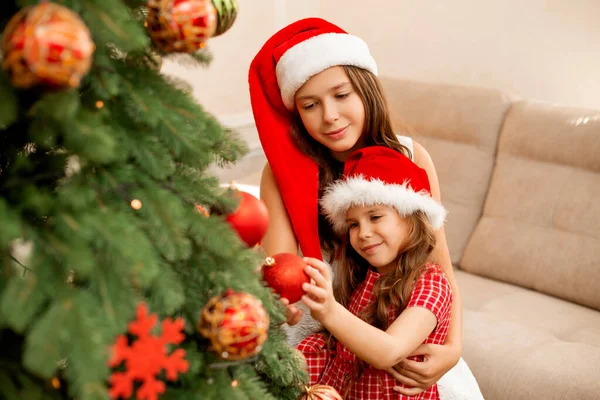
391,299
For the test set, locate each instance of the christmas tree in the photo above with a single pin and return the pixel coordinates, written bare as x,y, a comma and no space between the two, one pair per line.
122,275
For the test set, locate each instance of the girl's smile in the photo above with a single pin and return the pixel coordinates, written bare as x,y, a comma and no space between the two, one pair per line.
338,134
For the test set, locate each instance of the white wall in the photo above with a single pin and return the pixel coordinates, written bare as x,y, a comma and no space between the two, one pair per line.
222,88
540,49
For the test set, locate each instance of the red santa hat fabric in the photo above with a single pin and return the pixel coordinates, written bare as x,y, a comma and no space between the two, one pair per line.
379,175
285,62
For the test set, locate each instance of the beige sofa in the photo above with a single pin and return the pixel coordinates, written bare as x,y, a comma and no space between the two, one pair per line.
521,180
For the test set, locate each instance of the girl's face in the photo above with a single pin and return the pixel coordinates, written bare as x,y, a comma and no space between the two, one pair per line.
377,233
332,112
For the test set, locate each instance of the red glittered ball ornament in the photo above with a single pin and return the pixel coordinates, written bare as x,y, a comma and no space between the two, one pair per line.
284,273
250,220
46,45
181,25
236,324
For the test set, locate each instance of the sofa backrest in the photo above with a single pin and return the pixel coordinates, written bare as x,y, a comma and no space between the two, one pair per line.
540,227
459,127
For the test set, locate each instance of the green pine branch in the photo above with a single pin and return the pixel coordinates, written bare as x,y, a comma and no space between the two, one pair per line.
71,162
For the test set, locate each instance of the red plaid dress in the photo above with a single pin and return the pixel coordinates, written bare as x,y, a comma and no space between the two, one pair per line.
336,367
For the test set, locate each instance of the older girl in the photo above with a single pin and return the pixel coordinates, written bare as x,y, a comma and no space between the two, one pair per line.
316,99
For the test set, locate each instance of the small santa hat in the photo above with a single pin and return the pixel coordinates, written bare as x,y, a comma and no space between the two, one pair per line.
379,175
285,62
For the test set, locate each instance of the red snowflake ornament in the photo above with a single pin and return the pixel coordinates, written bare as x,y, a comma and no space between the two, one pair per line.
146,357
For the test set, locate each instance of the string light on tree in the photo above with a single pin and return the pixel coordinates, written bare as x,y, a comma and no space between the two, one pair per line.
55,382
202,210
136,204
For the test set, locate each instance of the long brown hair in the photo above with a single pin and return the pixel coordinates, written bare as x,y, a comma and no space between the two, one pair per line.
377,131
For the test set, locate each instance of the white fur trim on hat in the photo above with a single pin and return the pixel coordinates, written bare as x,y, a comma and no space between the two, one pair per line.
299,63
358,191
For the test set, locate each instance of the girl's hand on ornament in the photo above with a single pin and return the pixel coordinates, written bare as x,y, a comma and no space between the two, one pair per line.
293,313
319,293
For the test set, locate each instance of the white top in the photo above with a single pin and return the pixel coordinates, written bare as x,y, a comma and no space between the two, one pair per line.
408,142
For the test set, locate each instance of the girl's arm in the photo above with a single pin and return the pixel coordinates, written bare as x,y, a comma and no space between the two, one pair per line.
280,236
381,349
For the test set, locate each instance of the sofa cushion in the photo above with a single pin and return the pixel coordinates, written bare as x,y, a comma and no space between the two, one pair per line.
459,127
540,223
540,347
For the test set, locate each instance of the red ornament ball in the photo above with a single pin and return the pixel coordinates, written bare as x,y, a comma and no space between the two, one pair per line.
320,392
236,325
251,218
181,25
284,273
47,45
